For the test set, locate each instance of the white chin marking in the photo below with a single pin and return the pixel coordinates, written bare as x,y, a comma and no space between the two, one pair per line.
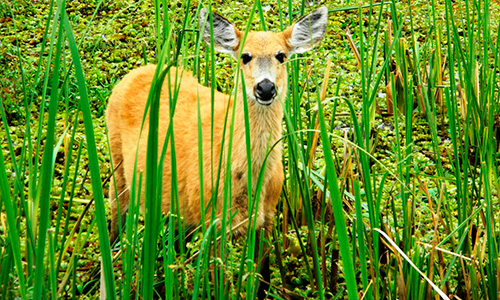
262,102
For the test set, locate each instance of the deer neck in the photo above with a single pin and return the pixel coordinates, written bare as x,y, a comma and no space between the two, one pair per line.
265,132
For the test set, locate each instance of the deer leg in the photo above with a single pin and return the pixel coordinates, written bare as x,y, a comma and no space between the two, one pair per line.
264,268
119,197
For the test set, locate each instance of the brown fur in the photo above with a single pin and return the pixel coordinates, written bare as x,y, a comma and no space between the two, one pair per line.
265,88
265,112
124,119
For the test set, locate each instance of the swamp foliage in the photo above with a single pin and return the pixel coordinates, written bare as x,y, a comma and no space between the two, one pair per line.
391,153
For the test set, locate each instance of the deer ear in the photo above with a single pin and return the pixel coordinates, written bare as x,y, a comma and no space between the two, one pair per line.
226,36
307,32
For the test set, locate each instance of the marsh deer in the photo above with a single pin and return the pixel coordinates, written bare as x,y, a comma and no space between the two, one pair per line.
262,58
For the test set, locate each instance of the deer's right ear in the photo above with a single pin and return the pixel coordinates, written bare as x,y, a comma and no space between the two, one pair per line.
226,36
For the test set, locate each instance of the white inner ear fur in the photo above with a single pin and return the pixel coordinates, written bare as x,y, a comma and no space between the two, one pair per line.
308,31
224,33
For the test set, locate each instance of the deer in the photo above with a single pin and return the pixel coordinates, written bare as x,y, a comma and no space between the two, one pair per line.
263,57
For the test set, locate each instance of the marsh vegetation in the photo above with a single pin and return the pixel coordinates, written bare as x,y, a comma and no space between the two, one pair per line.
391,136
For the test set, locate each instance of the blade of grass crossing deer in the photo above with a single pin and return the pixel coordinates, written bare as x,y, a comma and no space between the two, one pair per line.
173,220
154,167
203,247
182,46
170,253
203,280
294,109
200,141
250,249
93,161
253,204
152,190
175,207
226,188
229,117
215,180
132,224
152,201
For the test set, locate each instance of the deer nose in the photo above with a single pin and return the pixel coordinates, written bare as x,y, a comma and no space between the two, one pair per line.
265,91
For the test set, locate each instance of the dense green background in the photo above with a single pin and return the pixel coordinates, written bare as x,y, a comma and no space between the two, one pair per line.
426,175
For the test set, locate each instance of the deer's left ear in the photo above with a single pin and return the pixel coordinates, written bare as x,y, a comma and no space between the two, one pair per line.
307,32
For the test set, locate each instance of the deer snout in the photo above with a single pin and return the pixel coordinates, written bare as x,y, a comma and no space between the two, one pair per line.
265,91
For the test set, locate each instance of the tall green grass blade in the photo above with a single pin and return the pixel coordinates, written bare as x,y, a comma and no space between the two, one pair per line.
153,185
93,162
46,174
13,236
301,180
336,199
203,254
361,242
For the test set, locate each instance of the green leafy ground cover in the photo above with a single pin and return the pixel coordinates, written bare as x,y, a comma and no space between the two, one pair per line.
427,175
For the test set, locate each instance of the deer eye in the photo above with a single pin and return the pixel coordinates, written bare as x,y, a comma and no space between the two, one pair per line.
281,57
246,58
